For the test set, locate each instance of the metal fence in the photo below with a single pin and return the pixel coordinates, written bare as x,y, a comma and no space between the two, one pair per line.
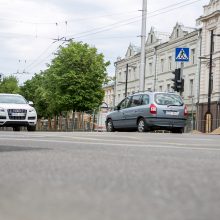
77,121
95,121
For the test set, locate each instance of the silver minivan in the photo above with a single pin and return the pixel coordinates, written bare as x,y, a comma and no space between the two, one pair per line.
149,111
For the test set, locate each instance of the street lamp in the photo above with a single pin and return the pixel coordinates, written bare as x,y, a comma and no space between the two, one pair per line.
126,78
208,113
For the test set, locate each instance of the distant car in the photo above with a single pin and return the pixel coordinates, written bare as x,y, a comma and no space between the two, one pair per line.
15,112
148,111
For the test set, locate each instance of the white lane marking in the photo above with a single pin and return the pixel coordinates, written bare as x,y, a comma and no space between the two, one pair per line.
115,144
145,136
74,136
99,138
192,139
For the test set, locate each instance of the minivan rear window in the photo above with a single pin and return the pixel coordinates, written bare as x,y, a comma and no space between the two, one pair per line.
168,99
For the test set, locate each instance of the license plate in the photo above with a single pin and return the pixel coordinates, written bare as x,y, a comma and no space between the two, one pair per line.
18,114
172,113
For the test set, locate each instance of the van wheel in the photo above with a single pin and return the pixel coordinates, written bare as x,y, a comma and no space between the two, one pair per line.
110,126
141,125
31,128
16,128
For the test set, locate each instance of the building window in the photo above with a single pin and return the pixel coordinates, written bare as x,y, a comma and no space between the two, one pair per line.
150,68
193,52
213,44
129,74
160,88
151,38
177,33
134,69
170,63
119,76
168,88
162,65
191,89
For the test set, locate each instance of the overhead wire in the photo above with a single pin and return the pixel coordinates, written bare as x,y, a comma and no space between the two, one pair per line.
85,18
66,20
116,25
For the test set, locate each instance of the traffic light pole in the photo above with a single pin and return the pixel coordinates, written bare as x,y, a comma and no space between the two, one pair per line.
181,75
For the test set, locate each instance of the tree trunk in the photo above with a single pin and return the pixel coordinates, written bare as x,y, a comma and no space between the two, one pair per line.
49,124
55,123
60,122
73,120
67,121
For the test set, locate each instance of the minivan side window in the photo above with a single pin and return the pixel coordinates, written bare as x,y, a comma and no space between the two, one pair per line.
124,103
135,101
145,100
168,99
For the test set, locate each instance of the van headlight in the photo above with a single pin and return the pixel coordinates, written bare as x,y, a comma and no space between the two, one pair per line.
32,110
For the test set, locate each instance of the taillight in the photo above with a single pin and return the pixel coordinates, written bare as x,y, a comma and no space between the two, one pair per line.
153,109
185,111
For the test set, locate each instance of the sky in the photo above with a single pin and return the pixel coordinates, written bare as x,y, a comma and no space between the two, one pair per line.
29,28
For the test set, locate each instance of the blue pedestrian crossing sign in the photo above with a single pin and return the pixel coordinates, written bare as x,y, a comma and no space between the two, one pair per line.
182,54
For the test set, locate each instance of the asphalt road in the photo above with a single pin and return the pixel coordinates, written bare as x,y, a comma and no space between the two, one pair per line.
109,176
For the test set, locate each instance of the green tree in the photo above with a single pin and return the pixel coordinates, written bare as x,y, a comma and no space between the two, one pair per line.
35,90
76,77
9,85
73,81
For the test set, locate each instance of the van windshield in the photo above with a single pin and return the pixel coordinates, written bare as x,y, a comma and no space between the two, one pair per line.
12,99
168,99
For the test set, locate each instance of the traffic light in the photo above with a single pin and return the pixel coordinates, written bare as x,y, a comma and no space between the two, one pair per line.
178,81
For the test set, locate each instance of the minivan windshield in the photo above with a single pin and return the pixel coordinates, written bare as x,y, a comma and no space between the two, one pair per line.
168,99
12,99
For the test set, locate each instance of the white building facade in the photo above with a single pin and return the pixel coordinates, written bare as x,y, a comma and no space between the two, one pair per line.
109,94
210,22
160,63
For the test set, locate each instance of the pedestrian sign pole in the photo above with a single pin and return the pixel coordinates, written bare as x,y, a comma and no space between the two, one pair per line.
182,55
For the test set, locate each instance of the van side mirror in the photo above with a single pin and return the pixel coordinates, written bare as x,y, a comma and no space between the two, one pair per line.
30,103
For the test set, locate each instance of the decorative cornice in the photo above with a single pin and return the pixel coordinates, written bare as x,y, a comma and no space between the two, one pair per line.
204,18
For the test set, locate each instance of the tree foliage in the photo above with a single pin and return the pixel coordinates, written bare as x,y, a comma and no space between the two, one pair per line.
9,85
73,81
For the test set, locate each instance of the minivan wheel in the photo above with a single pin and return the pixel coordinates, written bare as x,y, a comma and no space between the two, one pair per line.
141,125
109,126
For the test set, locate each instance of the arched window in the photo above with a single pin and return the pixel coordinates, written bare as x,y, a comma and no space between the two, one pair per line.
151,38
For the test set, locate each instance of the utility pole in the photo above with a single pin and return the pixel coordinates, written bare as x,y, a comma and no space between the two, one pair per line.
126,81
210,73
143,40
208,113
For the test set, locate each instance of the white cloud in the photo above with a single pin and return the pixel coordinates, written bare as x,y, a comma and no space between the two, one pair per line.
21,39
